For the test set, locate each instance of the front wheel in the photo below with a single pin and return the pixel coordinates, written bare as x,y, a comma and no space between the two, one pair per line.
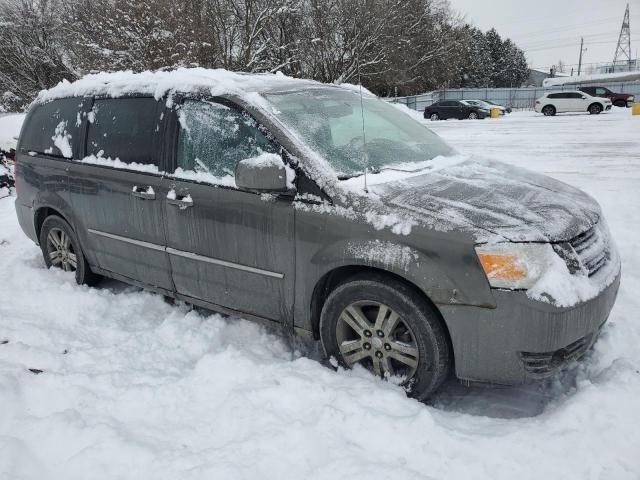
473,116
434,117
595,109
387,327
61,249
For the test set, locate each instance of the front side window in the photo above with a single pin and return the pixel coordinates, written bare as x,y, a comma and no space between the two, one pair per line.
214,137
53,127
123,129
330,121
601,91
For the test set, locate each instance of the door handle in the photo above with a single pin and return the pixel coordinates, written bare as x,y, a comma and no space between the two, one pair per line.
146,193
181,201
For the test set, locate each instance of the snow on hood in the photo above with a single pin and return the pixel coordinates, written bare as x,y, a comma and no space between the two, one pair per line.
493,201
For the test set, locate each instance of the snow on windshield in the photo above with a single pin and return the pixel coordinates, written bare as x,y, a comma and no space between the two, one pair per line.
352,135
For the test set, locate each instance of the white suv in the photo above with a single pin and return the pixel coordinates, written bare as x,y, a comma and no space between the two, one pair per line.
571,101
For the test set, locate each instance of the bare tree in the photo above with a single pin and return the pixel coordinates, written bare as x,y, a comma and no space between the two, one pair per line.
409,45
33,56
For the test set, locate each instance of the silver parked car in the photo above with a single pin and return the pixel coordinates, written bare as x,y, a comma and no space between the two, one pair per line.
323,210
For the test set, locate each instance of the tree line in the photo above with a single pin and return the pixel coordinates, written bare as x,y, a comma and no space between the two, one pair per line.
393,46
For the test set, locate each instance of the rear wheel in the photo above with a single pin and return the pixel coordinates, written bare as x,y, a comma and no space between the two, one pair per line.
434,117
595,108
387,327
473,116
549,111
61,249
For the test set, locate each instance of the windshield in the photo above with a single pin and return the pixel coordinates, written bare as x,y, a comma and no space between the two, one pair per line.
330,121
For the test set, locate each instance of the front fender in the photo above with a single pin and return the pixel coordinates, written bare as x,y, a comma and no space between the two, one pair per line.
443,271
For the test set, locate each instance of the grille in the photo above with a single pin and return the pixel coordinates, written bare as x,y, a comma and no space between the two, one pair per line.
542,365
592,249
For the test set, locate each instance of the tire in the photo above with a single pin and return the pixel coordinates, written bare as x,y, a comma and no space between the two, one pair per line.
421,349
549,110
620,103
434,117
61,249
473,116
595,109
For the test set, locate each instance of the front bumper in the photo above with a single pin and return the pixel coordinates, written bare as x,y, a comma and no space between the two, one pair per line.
522,340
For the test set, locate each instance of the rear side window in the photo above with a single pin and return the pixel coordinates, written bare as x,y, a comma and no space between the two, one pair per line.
124,128
53,128
214,137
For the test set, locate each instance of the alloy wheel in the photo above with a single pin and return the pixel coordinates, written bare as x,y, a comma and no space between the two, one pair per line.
374,335
60,250
473,116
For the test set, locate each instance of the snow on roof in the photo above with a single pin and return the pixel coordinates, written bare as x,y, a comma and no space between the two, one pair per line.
599,77
184,80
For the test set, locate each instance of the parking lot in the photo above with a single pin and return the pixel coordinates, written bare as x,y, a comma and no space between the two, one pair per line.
117,373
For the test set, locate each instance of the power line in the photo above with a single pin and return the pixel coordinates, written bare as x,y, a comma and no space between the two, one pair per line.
564,45
570,27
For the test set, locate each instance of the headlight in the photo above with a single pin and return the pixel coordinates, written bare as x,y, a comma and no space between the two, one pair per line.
515,265
630,99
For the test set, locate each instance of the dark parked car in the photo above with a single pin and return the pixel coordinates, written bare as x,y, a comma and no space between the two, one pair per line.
246,194
618,99
446,109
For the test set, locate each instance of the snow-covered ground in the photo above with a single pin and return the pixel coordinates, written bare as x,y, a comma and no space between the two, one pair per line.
132,387
9,128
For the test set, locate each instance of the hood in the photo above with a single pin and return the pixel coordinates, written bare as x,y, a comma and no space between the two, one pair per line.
492,199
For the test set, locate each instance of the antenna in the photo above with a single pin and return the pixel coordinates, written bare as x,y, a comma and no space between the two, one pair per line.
623,50
365,154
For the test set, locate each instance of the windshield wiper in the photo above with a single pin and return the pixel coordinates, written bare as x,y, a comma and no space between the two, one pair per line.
372,171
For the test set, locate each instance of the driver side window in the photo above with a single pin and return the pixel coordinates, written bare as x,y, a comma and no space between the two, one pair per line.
214,137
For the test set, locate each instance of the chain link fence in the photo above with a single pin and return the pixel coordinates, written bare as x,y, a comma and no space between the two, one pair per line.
517,98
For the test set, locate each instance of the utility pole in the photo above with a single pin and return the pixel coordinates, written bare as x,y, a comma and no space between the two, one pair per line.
580,60
623,50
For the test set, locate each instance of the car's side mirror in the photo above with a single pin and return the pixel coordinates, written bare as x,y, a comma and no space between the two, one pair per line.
265,173
584,98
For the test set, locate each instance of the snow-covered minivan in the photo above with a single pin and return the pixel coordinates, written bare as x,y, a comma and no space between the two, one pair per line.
263,196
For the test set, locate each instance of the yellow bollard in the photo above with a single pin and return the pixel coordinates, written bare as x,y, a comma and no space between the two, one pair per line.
495,113
635,109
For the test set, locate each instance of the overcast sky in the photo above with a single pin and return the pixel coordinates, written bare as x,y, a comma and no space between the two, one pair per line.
549,30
